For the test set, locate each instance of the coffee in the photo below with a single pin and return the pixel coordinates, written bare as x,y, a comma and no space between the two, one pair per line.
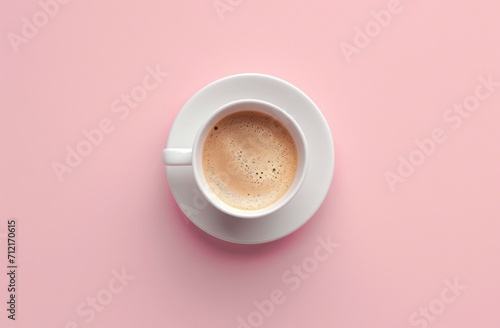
249,159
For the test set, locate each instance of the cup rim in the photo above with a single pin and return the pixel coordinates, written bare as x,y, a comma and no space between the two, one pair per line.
198,164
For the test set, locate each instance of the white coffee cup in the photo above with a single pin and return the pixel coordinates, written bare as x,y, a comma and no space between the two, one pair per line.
193,156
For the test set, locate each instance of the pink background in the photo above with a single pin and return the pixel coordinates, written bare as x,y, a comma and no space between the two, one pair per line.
115,210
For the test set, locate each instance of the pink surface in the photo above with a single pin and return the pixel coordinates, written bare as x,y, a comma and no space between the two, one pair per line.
422,253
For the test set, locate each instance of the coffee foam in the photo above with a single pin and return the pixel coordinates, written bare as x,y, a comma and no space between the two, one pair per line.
249,160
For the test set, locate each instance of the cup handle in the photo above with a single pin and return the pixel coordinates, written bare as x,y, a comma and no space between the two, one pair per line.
177,156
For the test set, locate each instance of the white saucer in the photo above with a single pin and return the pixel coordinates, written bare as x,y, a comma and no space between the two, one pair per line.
319,174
